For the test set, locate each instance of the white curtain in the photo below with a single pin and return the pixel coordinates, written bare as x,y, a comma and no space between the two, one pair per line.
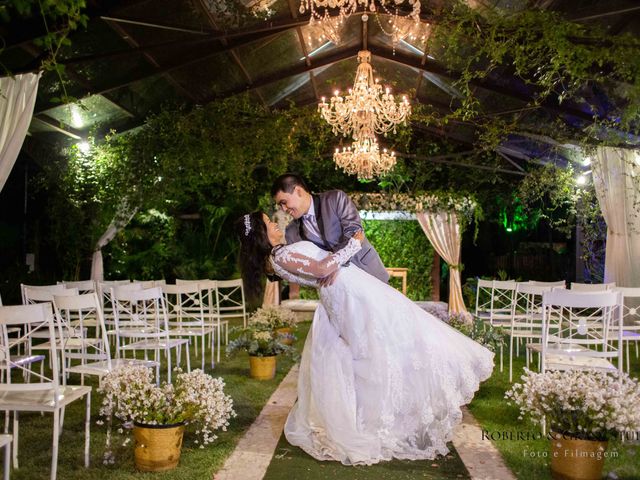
17,99
122,218
616,175
444,233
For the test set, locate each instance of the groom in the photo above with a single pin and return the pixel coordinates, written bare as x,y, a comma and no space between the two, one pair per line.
328,219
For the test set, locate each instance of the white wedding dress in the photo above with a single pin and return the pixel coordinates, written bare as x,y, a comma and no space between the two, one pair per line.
379,378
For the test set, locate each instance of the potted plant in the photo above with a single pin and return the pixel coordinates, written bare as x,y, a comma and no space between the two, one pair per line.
263,344
281,320
157,414
584,409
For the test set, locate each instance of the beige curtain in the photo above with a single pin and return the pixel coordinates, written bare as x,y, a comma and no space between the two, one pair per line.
443,231
271,294
616,174
17,98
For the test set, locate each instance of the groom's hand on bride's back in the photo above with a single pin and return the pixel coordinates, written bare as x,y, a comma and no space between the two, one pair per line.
359,235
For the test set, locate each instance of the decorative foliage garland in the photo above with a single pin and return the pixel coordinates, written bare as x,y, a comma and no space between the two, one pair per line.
465,207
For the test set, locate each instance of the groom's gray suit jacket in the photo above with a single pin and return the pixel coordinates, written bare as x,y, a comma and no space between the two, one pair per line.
338,221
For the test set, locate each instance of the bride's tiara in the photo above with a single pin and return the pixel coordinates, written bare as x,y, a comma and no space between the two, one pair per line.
247,225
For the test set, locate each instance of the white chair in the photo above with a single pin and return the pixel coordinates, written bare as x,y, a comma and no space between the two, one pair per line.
42,295
591,287
35,288
209,293
526,320
186,312
5,442
496,311
45,395
582,339
630,319
83,286
94,357
142,325
483,298
558,284
230,301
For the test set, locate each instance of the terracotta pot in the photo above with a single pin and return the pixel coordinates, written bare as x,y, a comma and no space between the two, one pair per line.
262,368
157,447
285,335
575,459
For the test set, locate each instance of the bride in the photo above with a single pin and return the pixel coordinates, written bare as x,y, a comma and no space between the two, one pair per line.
379,378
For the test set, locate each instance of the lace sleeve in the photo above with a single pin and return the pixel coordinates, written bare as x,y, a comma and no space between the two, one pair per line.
303,267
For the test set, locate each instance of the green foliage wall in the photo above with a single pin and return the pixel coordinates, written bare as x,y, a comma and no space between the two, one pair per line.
402,243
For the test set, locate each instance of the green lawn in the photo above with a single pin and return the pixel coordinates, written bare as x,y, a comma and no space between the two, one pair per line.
528,458
35,432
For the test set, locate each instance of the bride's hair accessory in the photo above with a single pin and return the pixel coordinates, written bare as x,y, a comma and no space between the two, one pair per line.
247,225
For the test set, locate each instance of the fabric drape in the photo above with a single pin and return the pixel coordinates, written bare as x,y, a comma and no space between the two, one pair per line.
443,231
118,223
271,294
615,171
17,99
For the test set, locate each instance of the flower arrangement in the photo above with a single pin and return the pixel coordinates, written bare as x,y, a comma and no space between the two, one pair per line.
196,398
489,336
258,341
273,317
582,404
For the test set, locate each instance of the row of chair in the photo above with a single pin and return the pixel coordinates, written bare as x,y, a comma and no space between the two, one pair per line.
585,327
73,324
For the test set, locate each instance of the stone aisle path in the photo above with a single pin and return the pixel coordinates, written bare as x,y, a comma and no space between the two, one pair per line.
252,456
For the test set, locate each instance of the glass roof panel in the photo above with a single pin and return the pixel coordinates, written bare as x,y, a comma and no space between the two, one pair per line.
147,96
213,76
38,126
430,93
349,33
285,89
167,12
275,54
338,76
400,78
415,38
92,111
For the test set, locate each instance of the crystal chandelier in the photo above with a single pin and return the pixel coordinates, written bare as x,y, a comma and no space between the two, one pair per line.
319,10
367,109
364,159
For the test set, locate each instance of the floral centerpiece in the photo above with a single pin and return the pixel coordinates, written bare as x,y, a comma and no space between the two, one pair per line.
262,342
132,397
584,409
489,336
279,319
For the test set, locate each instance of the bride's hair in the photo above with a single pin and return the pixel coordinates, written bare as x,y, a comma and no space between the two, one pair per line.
254,251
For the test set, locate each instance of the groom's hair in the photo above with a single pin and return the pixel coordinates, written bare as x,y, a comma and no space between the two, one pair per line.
287,182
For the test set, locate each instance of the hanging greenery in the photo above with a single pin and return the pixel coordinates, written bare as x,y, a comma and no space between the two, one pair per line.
557,61
59,18
550,193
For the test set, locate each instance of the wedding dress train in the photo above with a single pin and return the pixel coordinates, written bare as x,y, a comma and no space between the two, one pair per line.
379,378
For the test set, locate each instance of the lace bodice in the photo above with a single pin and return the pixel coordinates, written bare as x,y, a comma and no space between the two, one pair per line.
304,263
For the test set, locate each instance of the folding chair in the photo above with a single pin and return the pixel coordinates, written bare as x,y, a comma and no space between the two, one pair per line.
46,395
583,337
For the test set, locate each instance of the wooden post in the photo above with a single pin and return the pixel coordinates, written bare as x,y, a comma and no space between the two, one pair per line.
435,278
294,291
